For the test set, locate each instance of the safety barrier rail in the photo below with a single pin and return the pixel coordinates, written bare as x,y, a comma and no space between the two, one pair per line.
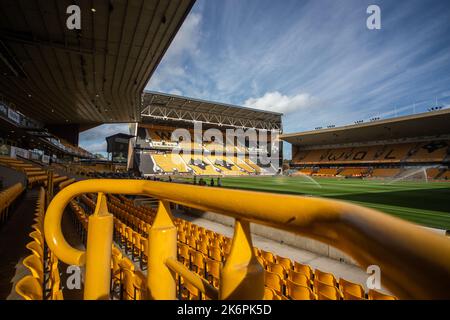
415,262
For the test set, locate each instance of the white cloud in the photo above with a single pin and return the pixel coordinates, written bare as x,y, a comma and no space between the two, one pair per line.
185,45
277,102
99,147
187,39
176,92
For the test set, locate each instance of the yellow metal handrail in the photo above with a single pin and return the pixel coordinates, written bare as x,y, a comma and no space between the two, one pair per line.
415,263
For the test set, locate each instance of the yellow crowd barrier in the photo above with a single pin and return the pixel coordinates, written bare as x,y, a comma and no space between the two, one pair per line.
414,262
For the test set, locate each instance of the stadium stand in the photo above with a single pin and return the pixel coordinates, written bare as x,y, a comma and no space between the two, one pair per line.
326,172
203,153
381,149
354,172
385,173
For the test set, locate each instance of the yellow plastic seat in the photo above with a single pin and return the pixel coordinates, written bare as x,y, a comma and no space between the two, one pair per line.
184,254
269,294
192,242
325,277
36,249
305,269
376,295
213,268
126,263
273,281
136,250
278,269
325,291
268,256
127,285
198,262
38,237
285,262
349,296
299,278
297,291
262,262
29,288
34,264
144,251
203,247
351,289
140,285
128,239
190,292
216,254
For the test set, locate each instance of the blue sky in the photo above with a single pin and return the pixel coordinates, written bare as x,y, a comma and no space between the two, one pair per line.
315,61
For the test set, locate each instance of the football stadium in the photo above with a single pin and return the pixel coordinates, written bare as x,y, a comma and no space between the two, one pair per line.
198,201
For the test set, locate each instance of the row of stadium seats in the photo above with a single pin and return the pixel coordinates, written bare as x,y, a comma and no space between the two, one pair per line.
36,175
44,281
204,165
159,137
432,173
7,198
435,151
90,171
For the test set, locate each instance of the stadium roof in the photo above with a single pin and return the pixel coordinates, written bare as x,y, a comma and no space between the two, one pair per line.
88,76
158,105
428,124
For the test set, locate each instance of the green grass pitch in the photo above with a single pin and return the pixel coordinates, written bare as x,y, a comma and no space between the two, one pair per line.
424,203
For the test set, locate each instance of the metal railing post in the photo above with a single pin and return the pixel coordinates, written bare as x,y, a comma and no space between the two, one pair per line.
98,252
162,245
242,277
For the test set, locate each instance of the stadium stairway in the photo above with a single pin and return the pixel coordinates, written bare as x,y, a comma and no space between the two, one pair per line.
145,166
10,177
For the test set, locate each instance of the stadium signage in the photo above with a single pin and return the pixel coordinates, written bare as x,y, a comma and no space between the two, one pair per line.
374,20
73,22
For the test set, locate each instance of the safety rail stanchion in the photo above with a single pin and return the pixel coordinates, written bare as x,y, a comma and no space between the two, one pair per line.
98,253
242,277
162,245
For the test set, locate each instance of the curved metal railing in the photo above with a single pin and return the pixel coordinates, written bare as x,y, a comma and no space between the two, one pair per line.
415,262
